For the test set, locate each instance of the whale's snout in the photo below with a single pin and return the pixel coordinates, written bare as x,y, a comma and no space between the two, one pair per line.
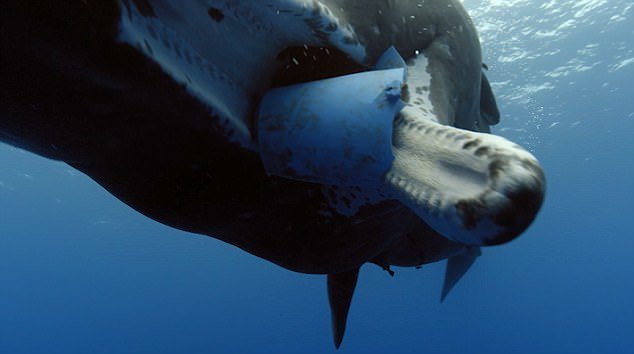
474,188
517,187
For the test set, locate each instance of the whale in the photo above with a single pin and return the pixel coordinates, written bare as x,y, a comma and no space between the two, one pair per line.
163,103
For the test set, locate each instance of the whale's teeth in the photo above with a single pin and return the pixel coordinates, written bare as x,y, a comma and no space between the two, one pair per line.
409,188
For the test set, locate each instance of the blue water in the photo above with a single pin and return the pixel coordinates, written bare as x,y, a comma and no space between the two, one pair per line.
80,272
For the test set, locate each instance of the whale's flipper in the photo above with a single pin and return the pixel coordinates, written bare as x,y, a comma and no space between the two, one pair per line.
340,290
457,266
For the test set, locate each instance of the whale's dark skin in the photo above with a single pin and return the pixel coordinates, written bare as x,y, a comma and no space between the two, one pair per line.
71,92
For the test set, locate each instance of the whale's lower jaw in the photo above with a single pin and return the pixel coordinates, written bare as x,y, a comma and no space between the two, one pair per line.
473,188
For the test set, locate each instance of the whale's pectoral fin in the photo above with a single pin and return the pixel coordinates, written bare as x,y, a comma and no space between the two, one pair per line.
457,267
340,290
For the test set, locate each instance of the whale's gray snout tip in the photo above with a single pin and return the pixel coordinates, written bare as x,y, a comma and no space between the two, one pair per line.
525,198
510,205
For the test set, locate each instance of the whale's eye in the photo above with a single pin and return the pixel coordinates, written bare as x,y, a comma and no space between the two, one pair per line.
305,63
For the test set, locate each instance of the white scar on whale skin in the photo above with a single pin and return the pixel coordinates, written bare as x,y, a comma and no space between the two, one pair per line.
419,85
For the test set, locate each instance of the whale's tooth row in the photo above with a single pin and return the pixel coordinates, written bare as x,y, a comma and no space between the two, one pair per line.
444,134
417,195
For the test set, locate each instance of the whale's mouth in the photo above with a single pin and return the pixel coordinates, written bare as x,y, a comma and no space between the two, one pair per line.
474,188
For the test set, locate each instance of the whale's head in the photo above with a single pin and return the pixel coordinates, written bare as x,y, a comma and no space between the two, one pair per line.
420,135
431,149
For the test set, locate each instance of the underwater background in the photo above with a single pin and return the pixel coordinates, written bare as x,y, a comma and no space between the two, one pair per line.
80,272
